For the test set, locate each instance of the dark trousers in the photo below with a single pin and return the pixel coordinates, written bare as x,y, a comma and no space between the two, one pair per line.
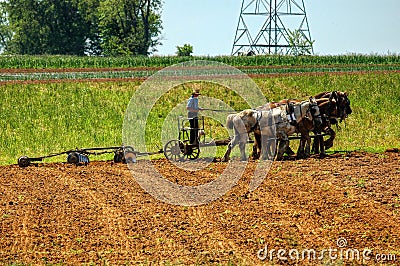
194,131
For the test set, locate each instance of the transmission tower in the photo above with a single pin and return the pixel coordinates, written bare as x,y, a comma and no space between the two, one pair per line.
272,27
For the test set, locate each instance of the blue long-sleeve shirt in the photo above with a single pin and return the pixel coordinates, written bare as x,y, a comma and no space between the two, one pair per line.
193,104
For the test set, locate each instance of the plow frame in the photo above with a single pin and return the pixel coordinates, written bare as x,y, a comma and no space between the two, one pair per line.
122,154
181,149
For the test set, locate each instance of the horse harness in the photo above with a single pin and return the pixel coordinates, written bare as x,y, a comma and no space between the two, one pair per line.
290,114
258,118
292,117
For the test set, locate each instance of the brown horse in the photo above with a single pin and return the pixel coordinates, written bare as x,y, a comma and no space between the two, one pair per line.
275,124
337,107
303,128
332,105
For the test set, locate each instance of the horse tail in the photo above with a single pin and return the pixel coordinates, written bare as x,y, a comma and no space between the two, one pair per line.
229,121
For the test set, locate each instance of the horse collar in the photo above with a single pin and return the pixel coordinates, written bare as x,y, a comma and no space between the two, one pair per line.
259,115
258,118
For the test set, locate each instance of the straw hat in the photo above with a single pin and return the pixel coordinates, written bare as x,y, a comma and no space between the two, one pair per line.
196,91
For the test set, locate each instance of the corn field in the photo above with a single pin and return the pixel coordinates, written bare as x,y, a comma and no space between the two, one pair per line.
40,62
34,68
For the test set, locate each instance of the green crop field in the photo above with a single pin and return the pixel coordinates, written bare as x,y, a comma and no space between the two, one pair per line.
40,118
48,62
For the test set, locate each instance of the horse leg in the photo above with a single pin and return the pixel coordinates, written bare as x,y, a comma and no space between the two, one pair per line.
255,154
322,153
283,143
300,150
289,151
307,152
242,146
304,146
316,144
329,142
265,150
320,138
281,149
269,149
241,140
256,146
267,143
271,145
227,153
231,145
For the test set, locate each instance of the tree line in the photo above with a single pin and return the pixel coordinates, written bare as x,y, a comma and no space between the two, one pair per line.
80,27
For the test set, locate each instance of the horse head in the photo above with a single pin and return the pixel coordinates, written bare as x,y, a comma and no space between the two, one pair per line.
334,105
343,105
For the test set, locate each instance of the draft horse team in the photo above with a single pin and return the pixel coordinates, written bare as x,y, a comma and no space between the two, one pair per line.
274,122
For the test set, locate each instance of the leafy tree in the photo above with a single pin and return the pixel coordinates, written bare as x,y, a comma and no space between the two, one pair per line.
185,50
110,27
129,27
5,30
63,28
43,27
299,43
89,12
24,25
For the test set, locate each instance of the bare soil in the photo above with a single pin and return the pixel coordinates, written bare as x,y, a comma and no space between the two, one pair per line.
61,213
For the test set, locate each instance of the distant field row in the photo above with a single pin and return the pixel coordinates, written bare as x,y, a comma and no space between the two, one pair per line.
33,74
40,62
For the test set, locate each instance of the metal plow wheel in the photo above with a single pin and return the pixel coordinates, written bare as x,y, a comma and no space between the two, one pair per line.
174,150
191,152
24,161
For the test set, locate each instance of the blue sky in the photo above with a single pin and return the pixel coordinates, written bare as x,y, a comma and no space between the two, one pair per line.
337,26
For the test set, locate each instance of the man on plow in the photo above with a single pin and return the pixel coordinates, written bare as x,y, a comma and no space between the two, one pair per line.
193,112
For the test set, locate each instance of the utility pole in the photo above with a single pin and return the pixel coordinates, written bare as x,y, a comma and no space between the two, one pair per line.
272,27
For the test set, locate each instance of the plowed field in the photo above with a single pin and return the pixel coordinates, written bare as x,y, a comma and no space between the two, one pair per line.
67,214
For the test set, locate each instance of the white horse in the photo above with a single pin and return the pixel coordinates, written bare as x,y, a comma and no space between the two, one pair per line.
276,124
242,123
